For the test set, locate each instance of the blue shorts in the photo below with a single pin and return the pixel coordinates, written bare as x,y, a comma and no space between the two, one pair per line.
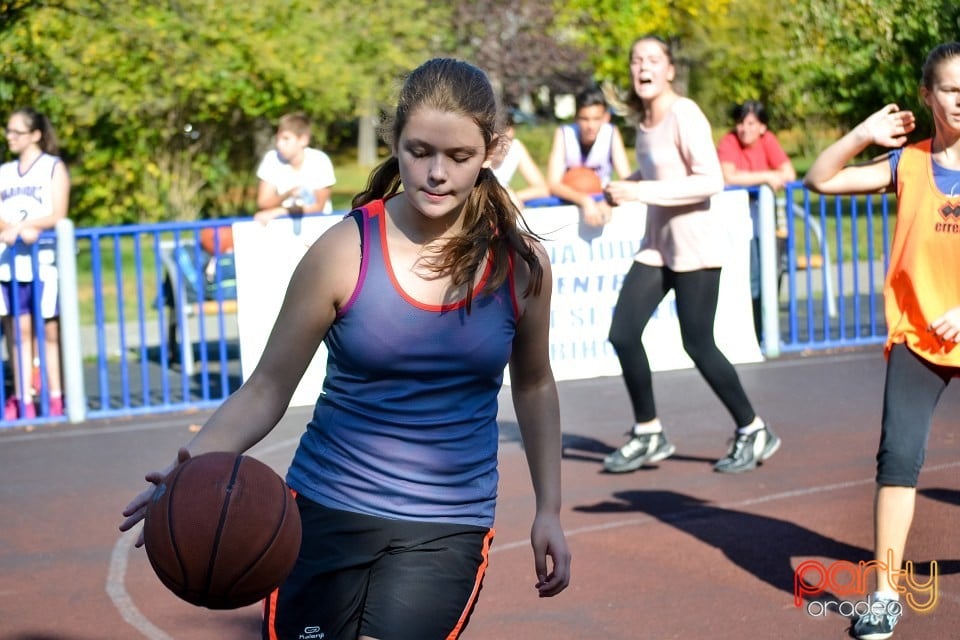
360,575
18,297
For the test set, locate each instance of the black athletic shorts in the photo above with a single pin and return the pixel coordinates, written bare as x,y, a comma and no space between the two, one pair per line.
910,394
360,575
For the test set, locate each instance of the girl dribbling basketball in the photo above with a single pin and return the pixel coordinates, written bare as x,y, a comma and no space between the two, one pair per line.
422,295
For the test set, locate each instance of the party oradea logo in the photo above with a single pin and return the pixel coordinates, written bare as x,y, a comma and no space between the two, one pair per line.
850,582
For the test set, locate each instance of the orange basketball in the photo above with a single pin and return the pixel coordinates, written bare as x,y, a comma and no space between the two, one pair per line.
216,240
583,179
222,531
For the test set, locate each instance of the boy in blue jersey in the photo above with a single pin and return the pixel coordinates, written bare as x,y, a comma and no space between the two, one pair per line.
590,141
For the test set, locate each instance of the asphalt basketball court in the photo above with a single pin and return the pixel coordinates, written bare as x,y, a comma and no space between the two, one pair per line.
672,552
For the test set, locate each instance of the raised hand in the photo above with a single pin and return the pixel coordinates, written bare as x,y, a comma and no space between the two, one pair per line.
888,127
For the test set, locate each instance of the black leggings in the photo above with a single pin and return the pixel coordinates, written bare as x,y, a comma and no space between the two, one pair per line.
696,294
910,394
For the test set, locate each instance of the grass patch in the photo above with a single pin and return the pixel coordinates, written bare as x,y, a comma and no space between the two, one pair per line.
351,180
113,270
868,231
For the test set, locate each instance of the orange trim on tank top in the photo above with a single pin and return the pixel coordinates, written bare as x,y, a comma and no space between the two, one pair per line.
396,284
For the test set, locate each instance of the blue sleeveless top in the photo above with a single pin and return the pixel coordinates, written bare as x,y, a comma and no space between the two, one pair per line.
406,426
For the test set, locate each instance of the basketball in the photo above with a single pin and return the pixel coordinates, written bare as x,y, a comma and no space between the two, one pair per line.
216,240
583,179
222,531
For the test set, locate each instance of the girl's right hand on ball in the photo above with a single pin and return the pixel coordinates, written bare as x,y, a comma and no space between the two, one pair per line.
136,510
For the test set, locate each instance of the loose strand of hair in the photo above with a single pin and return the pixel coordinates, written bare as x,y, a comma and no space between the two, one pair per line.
503,215
384,181
491,229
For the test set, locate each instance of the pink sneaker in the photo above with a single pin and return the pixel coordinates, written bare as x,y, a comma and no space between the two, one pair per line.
28,411
11,410
15,409
56,407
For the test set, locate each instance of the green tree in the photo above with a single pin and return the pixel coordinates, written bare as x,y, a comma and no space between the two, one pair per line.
740,56
606,29
165,107
516,43
849,57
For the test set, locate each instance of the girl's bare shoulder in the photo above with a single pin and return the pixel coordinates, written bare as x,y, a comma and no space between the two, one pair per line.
334,258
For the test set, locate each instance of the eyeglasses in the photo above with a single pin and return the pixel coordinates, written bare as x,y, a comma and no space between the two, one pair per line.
16,132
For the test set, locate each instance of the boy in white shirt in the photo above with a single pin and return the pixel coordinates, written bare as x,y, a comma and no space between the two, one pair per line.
294,178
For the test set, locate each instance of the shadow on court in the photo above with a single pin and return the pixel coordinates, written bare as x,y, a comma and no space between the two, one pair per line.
949,496
671,552
744,538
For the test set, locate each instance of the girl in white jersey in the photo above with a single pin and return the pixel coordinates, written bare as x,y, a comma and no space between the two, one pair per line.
513,156
34,192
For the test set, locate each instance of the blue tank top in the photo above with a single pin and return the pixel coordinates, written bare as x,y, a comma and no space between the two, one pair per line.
406,425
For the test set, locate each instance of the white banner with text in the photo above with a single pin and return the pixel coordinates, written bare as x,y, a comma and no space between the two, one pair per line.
588,265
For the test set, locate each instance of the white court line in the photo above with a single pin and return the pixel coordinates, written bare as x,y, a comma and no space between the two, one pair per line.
130,613
69,431
116,575
692,513
118,592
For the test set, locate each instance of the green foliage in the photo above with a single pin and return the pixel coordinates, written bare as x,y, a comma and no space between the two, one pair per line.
817,65
861,55
515,42
739,56
607,28
164,108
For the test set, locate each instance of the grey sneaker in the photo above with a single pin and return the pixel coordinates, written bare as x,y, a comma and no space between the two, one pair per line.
878,623
749,451
639,450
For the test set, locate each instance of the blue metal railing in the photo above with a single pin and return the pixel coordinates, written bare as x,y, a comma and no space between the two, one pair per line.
150,342
135,304
834,286
139,364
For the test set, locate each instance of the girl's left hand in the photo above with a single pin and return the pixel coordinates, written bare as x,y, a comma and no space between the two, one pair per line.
548,541
947,326
620,191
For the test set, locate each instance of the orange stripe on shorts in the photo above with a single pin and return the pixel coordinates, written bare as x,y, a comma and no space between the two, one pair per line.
481,570
270,606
